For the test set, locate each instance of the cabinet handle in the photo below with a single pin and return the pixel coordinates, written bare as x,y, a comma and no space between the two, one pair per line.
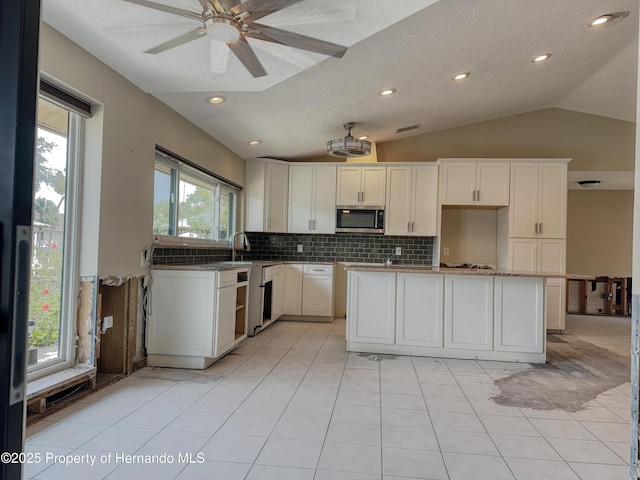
358,197
314,224
310,225
474,195
536,228
540,228
362,197
412,227
408,226
477,195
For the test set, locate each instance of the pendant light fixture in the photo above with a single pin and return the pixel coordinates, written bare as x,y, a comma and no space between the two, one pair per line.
348,147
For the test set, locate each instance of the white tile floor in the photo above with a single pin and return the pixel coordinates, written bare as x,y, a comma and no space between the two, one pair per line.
294,405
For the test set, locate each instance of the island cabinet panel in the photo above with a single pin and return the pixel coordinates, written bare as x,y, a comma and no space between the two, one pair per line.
372,307
468,312
519,314
419,310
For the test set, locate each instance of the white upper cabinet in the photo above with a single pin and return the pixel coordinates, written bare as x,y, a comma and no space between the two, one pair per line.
266,196
412,200
361,185
538,200
537,255
312,199
474,183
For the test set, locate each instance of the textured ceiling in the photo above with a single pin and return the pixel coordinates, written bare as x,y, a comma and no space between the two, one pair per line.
413,46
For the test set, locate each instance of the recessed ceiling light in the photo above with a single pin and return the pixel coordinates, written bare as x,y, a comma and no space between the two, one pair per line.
254,142
460,76
601,20
608,18
388,91
363,137
216,99
541,58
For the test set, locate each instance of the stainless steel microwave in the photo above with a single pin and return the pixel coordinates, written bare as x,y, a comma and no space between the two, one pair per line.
360,219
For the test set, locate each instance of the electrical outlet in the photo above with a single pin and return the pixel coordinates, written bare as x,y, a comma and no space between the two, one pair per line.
398,250
299,248
445,251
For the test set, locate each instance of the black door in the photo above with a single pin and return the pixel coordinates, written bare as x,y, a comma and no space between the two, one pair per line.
19,24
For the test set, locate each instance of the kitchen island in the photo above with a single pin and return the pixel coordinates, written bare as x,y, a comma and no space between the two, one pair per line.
443,312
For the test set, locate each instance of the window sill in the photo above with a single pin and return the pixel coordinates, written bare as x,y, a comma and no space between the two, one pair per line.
173,241
57,381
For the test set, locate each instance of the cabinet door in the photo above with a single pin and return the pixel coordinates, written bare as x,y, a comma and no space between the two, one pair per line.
276,197
424,202
348,185
254,196
523,207
555,300
468,312
292,290
373,185
519,314
372,307
300,198
552,200
492,184
419,313
398,208
225,322
317,295
182,313
324,200
523,254
458,183
551,255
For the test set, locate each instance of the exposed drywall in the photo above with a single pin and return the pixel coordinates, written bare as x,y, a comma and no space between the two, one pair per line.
470,235
120,154
599,232
85,320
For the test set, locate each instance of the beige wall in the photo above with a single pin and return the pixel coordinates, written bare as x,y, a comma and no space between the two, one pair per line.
599,232
119,163
470,235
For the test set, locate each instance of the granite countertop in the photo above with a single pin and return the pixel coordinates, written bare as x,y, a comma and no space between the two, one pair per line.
233,265
463,271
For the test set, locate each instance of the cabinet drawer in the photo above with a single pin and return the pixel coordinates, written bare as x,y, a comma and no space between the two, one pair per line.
227,278
318,270
271,272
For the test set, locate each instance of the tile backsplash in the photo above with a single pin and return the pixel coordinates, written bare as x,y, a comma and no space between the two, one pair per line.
341,247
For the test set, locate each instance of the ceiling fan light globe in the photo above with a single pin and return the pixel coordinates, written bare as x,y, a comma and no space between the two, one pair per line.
222,30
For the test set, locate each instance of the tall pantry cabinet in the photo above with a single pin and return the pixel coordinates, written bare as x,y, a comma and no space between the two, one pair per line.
538,228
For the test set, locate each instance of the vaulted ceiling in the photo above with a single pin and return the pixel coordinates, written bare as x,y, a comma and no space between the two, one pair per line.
414,46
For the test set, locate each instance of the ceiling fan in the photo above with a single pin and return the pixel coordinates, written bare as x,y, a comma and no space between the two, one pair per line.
232,22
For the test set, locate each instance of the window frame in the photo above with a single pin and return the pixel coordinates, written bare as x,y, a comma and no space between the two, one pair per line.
178,167
71,248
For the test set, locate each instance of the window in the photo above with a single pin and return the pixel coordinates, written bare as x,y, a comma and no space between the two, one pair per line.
53,280
190,203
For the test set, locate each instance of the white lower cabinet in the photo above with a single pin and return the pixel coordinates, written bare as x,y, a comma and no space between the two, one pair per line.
308,290
419,310
519,314
468,312
225,330
555,301
371,306
293,290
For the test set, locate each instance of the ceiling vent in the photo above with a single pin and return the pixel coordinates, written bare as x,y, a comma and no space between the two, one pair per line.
406,129
348,147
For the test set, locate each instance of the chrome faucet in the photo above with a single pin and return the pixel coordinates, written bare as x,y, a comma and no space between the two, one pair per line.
245,244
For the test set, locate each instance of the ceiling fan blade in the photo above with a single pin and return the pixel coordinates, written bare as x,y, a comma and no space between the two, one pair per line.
290,39
261,8
229,4
166,8
218,56
176,42
247,56
154,28
301,59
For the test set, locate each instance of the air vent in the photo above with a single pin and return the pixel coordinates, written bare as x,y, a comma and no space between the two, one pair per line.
406,129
